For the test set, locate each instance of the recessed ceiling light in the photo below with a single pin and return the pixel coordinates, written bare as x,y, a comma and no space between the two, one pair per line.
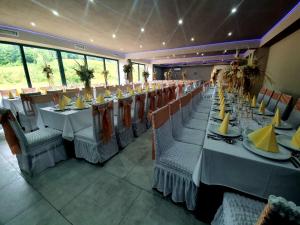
225,51
141,46
55,13
180,21
92,1
163,43
192,39
92,40
32,24
114,36
197,53
202,54
229,34
142,29
233,10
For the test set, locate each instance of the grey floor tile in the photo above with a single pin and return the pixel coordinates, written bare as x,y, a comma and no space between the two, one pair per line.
40,213
149,209
105,202
15,198
8,173
66,180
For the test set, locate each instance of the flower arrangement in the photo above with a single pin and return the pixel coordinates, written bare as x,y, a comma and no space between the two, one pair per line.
154,75
127,68
105,74
85,74
183,75
146,75
49,74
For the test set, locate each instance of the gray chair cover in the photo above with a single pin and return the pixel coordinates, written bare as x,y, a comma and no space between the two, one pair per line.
139,124
89,143
174,163
294,117
267,97
261,95
41,149
273,101
284,105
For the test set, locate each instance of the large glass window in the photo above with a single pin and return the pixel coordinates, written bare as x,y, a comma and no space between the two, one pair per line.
135,72
141,70
112,66
70,61
98,65
37,59
12,73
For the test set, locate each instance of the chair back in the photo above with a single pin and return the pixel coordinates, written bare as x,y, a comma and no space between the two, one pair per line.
28,90
165,92
54,91
162,132
112,89
185,102
261,94
100,90
159,99
180,88
273,101
5,93
72,90
284,105
172,93
103,121
28,103
124,113
139,107
176,117
294,117
268,96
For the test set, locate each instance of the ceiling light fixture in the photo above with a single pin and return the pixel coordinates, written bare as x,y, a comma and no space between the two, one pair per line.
142,29
225,51
92,1
233,10
114,36
32,24
91,40
197,53
55,13
202,54
180,21
229,34
141,46
192,39
163,43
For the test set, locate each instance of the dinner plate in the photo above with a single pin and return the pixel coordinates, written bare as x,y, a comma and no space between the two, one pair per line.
217,117
227,109
232,131
285,141
75,108
283,154
267,113
60,110
284,126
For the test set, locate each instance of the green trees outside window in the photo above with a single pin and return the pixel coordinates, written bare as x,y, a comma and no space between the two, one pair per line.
69,62
112,66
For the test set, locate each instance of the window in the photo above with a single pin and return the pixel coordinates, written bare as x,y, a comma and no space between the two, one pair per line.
37,59
112,66
141,70
70,61
98,65
135,72
12,73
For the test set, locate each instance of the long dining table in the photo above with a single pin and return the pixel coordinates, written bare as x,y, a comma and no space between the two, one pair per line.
235,168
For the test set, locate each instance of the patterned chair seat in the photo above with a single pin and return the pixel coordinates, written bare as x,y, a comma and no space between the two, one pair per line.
41,136
86,133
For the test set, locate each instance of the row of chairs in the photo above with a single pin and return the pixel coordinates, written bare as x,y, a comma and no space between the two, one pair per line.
178,135
273,100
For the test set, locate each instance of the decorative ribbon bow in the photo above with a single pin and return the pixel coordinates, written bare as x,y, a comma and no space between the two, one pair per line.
141,100
107,130
126,106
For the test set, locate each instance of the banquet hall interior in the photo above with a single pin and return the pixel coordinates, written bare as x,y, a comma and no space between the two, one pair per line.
151,112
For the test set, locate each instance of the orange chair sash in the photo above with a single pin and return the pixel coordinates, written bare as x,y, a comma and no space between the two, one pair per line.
126,107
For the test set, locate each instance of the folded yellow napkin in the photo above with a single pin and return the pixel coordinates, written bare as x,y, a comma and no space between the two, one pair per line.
128,89
107,93
262,108
139,90
79,103
100,99
296,139
61,104
264,139
276,119
10,95
88,97
17,93
66,100
119,94
253,103
222,101
147,88
158,86
224,125
222,112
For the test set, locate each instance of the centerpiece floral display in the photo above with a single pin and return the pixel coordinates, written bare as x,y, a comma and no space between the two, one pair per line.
49,74
85,74
146,75
183,75
105,74
127,68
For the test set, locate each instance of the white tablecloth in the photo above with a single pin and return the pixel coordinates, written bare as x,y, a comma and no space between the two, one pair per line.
235,167
15,105
68,122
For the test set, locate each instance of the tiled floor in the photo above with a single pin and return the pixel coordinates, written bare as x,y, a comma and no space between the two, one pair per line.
76,192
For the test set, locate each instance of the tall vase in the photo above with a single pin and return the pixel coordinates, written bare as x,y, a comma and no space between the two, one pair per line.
105,79
87,88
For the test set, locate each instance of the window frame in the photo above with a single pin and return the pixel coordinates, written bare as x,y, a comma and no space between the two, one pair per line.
139,64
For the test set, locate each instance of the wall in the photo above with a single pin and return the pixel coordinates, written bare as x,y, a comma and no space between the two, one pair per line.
283,65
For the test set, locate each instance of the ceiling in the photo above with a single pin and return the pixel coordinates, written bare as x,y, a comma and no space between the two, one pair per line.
95,21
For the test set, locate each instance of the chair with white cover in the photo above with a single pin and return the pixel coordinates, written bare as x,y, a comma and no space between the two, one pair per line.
188,120
100,90
159,98
201,105
123,123
29,90
195,104
181,133
139,115
5,93
261,94
150,106
294,117
273,101
54,91
267,97
240,210
27,118
98,143
284,105
35,151
174,161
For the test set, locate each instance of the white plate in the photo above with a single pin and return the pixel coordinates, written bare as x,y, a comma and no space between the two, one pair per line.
284,126
256,111
217,117
218,109
85,107
232,131
283,154
285,141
